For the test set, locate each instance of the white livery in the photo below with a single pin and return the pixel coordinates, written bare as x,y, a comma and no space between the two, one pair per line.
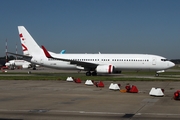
12,64
92,63
18,63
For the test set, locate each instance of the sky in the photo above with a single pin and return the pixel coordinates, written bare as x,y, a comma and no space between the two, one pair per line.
92,26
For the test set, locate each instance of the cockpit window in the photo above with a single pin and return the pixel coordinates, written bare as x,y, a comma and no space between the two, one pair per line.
164,59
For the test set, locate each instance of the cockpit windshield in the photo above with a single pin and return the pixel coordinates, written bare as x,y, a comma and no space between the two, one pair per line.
164,59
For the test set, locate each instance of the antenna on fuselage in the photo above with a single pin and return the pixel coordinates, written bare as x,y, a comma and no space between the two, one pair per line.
6,51
16,51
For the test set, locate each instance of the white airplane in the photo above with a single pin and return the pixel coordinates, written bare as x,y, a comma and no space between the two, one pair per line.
18,63
92,63
12,64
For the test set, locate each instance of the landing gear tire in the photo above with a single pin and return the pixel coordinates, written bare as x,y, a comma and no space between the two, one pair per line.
88,73
34,68
157,74
94,73
117,72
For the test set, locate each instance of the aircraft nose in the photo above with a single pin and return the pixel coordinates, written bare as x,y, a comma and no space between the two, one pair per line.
171,64
7,64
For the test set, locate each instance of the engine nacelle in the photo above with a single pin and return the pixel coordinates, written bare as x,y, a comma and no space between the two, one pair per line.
25,66
105,69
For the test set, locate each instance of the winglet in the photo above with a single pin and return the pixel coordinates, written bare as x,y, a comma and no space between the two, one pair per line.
46,52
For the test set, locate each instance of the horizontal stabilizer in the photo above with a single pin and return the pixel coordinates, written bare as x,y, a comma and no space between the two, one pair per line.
24,56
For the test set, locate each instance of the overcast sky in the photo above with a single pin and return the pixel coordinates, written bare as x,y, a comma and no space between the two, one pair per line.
92,26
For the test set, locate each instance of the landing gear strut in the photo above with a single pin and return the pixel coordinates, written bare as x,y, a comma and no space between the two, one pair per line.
160,71
157,74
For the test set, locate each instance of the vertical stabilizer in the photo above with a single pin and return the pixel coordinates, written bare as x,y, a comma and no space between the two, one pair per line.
29,46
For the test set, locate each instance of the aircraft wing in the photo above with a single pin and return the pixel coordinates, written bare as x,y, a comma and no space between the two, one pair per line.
78,63
23,56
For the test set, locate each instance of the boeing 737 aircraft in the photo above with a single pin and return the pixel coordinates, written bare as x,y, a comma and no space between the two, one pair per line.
20,63
92,63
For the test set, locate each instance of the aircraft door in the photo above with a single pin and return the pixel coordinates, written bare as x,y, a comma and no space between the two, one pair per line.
154,61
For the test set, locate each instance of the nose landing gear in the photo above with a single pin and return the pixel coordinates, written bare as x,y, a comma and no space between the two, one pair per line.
157,73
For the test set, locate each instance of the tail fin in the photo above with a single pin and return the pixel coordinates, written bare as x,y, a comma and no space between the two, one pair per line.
62,51
46,52
29,46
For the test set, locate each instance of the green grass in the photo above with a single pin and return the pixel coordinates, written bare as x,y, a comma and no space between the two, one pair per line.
44,77
125,76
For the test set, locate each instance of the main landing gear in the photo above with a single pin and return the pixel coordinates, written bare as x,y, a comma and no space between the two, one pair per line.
94,73
157,74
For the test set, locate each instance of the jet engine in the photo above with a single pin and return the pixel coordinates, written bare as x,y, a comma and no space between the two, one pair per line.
25,66
105,69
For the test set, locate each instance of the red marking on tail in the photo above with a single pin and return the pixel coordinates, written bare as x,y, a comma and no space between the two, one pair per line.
24,48
21,36
46,52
